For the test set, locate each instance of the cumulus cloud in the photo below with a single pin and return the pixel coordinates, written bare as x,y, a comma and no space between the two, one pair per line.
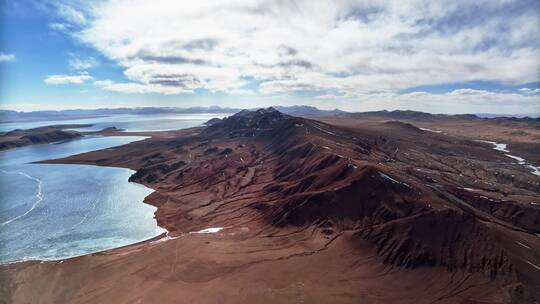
70,14
343,49
529,90
6,57
132,87
77,63
68,79
58,26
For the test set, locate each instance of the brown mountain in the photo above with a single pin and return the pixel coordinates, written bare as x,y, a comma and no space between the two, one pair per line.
382,214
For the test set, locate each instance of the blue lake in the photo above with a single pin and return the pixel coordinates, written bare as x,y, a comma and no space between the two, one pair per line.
50,211
55,211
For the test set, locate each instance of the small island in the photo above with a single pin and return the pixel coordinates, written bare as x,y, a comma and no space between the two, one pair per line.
42,135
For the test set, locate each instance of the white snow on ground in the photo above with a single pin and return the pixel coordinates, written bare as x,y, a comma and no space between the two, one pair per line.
533,265
536,170
393,180
204,231
521,161
165,238
429,130
498,146
523,245
209,230
319,127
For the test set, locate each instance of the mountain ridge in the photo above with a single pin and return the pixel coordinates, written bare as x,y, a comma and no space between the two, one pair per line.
295,110
408,194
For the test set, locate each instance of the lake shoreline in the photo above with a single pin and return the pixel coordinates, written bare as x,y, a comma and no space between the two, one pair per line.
146,200
30,256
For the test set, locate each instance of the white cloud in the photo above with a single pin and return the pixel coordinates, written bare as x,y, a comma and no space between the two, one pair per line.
345,50
6,57
102,83
132,88
70,14
57,26
348,47
529,90
333,96
77,63
68,79
242,92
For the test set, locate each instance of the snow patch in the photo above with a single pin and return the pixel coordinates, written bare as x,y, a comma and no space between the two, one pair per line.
497,146
536,170
521,161
393,180
523,245
533,265
167,237
209,230
318,127
429,130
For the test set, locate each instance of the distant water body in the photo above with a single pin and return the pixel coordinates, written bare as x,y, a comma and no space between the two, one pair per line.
55,211
133,123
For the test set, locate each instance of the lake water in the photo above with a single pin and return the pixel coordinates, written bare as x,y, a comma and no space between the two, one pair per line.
54,211
133,123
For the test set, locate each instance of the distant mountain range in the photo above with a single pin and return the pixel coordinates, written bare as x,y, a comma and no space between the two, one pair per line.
296,110
8,116
11,116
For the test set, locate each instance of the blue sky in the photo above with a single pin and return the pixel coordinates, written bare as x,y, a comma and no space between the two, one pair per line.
458,57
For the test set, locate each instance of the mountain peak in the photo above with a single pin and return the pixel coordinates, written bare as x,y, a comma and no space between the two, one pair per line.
249,122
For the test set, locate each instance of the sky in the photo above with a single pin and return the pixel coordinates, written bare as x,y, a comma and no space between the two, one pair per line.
456,56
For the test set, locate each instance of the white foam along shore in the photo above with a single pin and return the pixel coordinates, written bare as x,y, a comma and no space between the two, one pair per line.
503,148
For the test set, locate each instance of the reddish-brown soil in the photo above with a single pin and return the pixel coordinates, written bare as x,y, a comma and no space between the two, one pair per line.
378,212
